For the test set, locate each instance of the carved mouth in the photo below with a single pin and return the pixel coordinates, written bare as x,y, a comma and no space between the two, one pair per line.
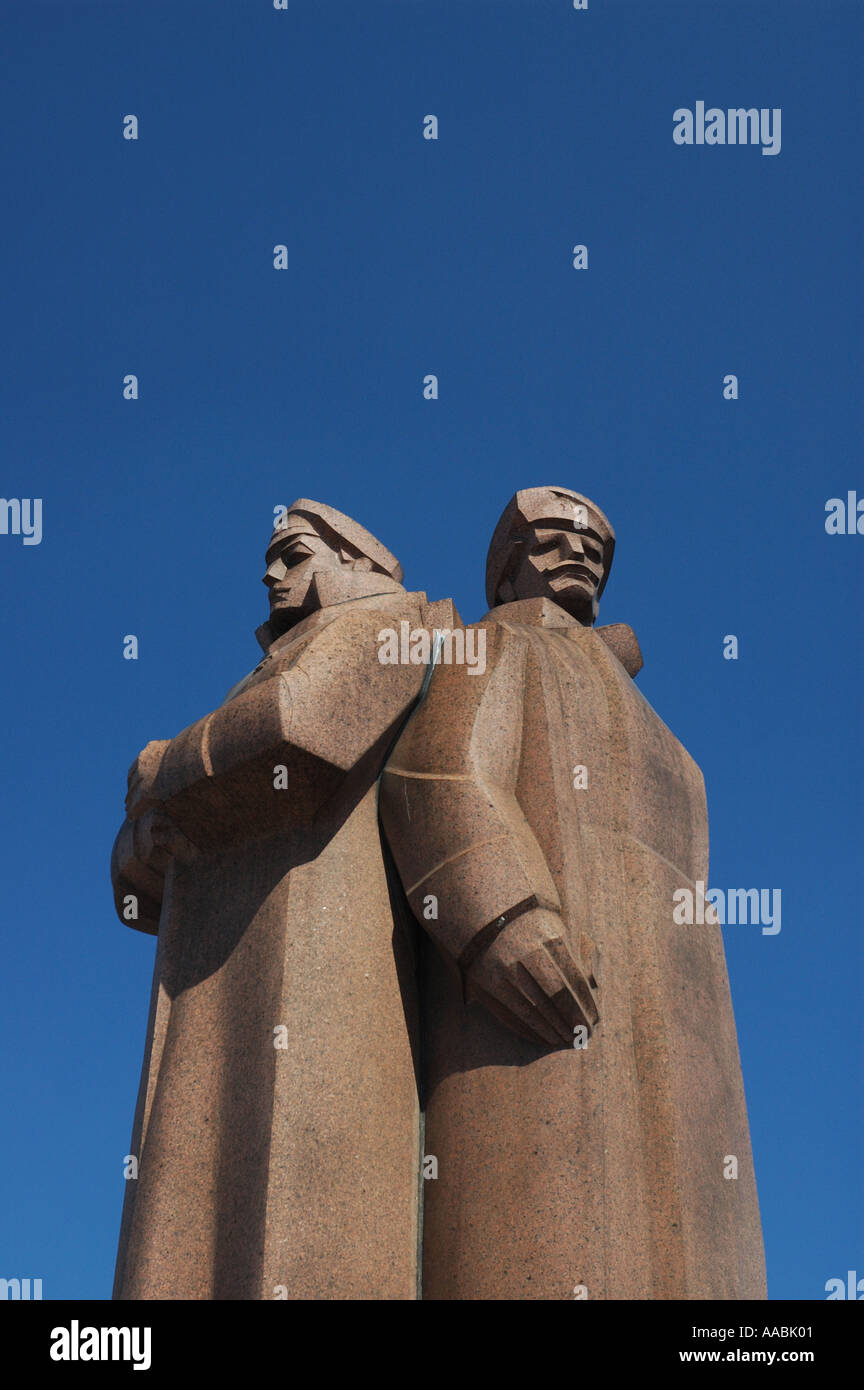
573,572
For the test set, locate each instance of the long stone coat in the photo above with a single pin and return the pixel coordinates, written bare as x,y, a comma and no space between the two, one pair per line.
593,1172
277,1121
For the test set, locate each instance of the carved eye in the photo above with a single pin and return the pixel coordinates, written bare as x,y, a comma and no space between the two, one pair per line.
293,554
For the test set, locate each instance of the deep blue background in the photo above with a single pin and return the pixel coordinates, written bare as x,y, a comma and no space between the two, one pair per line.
408,257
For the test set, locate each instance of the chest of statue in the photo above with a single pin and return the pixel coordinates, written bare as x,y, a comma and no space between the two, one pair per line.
590,733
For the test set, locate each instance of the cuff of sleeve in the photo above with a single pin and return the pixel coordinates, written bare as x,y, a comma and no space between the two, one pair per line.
470,895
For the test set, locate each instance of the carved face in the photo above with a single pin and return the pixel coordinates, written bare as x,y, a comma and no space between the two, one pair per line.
303,564
558,560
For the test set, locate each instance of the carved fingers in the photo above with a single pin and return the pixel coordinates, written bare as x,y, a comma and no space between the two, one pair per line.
160,840
144,848
529,980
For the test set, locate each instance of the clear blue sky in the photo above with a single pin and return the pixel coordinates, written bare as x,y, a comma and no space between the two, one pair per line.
409,257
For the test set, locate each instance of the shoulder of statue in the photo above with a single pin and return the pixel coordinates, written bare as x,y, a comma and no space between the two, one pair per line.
623,644
534,613
352,621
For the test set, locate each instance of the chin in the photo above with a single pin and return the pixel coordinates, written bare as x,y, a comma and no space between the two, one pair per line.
283,617
576,601
572,589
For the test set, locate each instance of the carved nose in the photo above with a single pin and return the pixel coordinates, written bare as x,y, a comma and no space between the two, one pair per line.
275,572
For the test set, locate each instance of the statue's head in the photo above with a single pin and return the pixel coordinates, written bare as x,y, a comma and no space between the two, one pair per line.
551,542
317,557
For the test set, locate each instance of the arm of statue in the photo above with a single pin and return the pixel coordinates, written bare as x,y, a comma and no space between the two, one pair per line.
471,866
276,753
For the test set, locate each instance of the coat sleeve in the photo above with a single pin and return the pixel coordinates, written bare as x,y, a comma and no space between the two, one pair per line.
465,853
277,752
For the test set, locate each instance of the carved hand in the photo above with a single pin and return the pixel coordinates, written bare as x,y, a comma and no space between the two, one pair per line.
142,851
149,842
529,980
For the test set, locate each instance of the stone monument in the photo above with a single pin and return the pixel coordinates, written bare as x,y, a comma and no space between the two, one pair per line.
277,1129
571,1050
